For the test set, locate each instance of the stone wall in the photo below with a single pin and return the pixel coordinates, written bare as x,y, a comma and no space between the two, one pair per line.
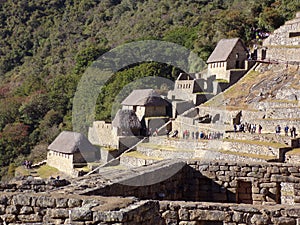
252,183
41,209
284,44
101,134
197,213
61,161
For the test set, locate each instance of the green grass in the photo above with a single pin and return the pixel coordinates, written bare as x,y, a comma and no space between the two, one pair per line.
21,171
263,143
165,147
295,151
46,171
250,155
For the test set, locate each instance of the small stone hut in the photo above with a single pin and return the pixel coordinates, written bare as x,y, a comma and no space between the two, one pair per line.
229,54
150,108
70,149
145,103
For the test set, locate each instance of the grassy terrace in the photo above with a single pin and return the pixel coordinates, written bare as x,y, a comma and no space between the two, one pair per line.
295,151
164,147
265,157
136,154
252,142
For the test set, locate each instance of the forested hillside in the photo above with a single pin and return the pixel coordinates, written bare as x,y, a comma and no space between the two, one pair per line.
46,45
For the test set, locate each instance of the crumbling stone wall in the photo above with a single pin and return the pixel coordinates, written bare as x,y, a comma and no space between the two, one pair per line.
53,209
196,213
265,180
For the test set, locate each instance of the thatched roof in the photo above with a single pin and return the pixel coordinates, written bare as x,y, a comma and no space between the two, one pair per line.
224,49
70,142
126,120
144,97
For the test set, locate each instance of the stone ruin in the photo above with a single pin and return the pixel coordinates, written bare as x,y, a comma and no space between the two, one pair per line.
194,192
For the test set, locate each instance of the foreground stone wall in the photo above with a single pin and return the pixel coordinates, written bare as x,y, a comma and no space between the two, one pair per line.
52,209
196,213
226,182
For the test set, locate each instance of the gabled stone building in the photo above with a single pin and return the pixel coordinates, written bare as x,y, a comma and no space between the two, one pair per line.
229,54
70,149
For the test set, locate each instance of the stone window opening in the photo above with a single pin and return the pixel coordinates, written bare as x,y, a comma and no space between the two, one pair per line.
294,34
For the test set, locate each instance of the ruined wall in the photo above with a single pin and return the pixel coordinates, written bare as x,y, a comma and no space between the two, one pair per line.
60,209
101,134
196,213
265,180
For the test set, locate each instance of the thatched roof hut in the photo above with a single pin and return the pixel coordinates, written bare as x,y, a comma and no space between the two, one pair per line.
144,97
127,122
68,142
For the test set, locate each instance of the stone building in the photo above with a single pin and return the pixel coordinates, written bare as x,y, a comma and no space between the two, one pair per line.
150,108
145,103
70,149
283,44
229,54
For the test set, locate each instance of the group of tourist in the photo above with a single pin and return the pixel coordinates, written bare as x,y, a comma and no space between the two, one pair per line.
201,135
27,164
287,129
250,127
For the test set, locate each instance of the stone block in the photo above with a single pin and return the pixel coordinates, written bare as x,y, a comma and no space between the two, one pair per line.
21,200
3,200
293,170
81,214
58,213
235,168
224,168
210,215
260,219
188,223
73,202
9,218
2,209
26,210
170,215
31,218
283,221
62,202
45,202
294,212
183,214
267,185
12,209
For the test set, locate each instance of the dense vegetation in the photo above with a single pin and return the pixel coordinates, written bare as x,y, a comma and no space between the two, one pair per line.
47,44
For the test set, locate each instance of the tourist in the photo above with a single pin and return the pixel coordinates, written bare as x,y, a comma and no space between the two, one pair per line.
278,129
293,132
259,129
286,130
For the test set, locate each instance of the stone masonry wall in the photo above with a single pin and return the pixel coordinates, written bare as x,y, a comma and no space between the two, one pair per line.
196,213
265,180
41,209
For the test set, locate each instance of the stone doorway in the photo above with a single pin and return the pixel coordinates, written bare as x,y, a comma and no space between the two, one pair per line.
244,192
